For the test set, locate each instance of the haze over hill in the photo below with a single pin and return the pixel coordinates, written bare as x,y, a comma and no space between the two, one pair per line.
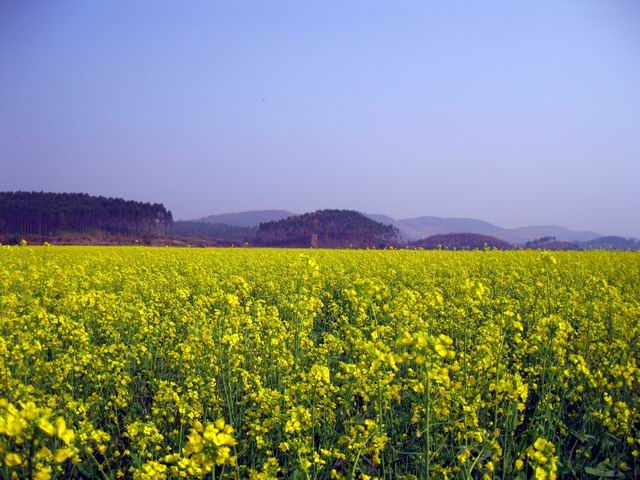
412,229
521,113
428,225
73,218
251,218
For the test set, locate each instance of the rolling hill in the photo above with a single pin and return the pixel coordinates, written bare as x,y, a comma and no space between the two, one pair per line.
612,243
251,218
69,218
417,228
328,229
412,229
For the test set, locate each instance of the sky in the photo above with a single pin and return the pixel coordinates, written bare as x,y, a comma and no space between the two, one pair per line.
517,113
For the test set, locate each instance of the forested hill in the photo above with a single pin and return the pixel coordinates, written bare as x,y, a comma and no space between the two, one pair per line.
462,241
44,214
326,228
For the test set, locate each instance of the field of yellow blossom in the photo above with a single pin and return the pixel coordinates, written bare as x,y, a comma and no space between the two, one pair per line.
154,363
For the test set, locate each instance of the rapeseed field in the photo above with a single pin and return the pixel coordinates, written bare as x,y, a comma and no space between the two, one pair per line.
158,363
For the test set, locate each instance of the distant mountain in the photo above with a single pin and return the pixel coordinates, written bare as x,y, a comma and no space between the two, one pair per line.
247,219
562,234
462,241
214,232
384,219
405,232
612,242
326,228
428,226
412,229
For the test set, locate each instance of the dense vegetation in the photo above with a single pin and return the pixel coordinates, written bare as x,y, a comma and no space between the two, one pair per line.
462,241
44,214
156,363
326,228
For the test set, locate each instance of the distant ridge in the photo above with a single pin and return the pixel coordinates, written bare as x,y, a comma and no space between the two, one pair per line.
561,233
251,218
412,229
76,218
417,228
612,242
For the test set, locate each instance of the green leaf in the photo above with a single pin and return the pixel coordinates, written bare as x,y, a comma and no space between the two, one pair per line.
583,437
601,471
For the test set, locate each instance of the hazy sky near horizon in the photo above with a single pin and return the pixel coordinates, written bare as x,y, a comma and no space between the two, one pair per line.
513,112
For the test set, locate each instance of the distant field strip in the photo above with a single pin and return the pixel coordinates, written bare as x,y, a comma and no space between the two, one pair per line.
157,363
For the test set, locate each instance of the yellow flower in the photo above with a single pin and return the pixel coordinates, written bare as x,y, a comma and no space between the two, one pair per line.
12,459
29,411
64,434
12,425
46,426
464,455
541,473
43,473
44,454
62,454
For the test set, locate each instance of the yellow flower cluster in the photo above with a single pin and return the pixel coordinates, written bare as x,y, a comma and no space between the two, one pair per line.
33,445
543,459
161,363
207,446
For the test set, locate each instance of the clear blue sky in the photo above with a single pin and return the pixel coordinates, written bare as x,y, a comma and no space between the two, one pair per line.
513,112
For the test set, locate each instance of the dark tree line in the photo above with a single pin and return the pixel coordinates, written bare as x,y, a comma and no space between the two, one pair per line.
42,213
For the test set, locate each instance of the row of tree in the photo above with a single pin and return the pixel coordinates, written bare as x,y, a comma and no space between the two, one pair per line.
43,214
